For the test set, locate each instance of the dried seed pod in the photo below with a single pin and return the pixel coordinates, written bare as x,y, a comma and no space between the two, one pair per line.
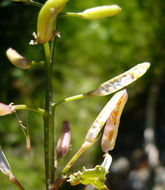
63,144
100,12
5,109
120,81
112,124
97,125
4,165
18,60
47,17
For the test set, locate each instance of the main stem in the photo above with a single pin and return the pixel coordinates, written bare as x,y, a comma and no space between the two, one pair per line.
49,121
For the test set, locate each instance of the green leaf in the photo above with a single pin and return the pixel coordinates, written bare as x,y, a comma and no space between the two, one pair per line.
94,176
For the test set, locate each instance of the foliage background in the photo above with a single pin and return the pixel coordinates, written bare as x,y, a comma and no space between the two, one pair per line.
89,53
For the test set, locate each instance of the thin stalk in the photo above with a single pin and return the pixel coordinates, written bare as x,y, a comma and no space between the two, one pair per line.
49,121
35,3
72,14
69,99
13,179
74,158
30,108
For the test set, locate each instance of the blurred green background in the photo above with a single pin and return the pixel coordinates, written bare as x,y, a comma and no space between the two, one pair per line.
88,53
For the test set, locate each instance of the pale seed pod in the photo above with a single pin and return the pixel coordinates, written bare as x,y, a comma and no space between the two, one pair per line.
4,165
97,125
46,19
112,124
5,109
121,80
100,12
63,144
18,60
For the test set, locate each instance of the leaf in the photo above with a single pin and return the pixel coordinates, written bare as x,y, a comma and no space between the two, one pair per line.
120,81
94,176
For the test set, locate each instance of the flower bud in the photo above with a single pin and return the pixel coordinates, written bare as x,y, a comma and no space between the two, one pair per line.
63,144
47,17
100,12
18,60
112,124
5,109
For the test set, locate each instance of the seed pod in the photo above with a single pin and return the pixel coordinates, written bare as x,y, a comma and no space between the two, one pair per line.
5,109
18,60
4,165
63,144
100,12
97,125
47,17
112,124
120,81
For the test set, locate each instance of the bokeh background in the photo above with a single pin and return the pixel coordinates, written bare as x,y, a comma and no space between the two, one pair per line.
88,53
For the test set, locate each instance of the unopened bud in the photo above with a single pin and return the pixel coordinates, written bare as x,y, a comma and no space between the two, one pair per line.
18,60
64,141
5,109
100,12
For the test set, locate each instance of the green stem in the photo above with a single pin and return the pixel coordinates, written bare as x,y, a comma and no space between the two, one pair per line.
71,14
37,4
26,107
69,99
49,121
74,158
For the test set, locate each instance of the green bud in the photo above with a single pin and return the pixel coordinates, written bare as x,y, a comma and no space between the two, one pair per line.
47,17
18,60
100,12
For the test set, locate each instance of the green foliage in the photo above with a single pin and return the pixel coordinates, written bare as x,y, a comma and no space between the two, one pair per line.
95,177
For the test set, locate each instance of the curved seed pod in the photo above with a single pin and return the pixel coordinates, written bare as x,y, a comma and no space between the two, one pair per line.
112,124
47,17
5,109
64,141
120,81
18,60
97,125
100,12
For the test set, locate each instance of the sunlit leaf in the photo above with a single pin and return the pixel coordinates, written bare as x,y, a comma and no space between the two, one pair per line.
120,81
95,177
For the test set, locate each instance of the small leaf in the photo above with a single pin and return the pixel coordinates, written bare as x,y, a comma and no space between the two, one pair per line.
95,177
120,81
